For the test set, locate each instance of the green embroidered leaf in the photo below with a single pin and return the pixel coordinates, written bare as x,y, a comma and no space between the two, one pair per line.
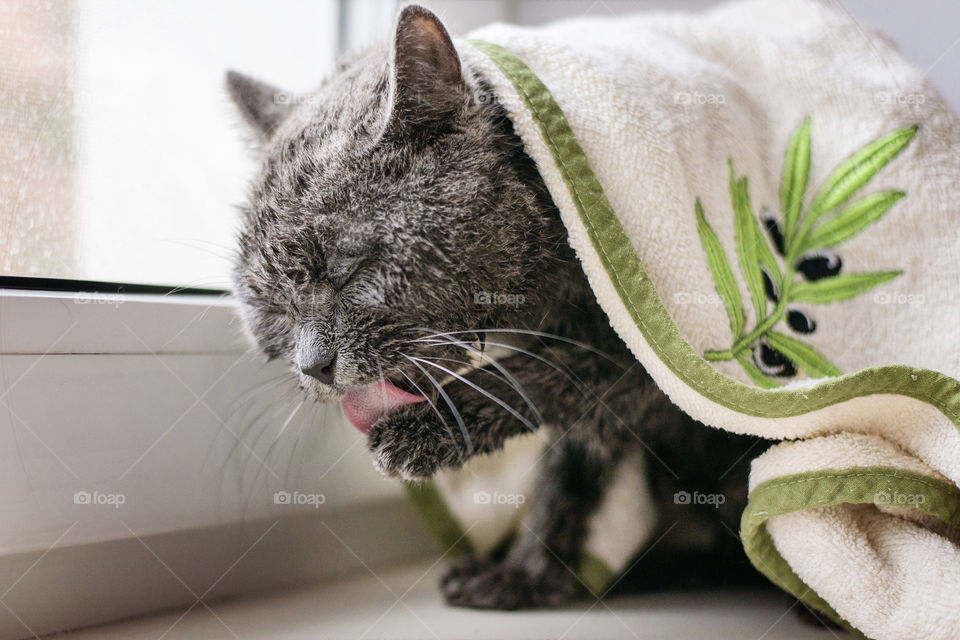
840,287
755,374
857,170
851,220
722,276
802,355
793,184
767,261
802,234
748,242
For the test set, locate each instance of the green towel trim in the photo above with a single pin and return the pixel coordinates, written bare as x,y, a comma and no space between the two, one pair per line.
443,525
810,490
642,301
595,574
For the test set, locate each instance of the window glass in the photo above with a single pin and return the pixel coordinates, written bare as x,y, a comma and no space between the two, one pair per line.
121,157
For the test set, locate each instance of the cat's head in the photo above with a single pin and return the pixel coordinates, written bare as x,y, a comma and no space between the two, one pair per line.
391,203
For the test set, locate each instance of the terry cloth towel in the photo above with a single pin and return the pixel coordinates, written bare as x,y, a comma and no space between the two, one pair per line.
765,200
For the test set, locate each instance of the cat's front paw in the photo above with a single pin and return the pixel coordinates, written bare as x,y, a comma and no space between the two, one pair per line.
485,584
412,443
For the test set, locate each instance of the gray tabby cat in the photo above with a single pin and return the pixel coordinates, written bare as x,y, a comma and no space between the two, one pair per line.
394,213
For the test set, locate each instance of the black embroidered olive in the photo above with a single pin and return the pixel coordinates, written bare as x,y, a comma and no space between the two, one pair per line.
773,363
773,228
800,322
819,264
769,287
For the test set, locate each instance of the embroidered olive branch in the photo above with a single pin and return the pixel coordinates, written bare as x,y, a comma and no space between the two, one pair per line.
826,223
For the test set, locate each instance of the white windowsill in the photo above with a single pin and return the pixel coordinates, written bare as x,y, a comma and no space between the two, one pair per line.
403,603
156,399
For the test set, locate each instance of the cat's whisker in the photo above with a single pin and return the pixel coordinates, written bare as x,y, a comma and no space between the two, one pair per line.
530,332
264,462
286,422
421,391
260,423
482,391
468,365
257,391
432,404
296,447
513,385
469,346
247,399
511,380
449,402
240,435
243,402
261,460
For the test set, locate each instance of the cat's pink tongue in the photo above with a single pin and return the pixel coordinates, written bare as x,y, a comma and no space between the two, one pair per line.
367,404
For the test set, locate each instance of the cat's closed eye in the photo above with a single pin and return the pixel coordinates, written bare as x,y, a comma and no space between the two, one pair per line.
341,271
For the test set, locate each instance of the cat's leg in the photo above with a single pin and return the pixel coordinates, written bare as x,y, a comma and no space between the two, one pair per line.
588,399
540,569
588,408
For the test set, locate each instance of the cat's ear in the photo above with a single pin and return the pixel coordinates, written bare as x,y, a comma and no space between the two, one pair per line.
426,81
263,106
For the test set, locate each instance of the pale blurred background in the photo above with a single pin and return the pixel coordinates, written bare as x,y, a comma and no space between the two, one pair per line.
122,160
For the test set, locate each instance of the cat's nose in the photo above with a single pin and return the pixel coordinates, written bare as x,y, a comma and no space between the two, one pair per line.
321,368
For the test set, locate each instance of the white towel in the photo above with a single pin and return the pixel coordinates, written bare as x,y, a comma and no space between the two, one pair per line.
665,141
